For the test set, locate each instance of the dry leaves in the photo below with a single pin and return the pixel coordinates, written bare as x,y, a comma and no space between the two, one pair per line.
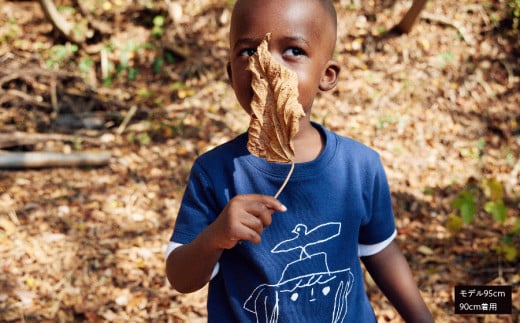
88,244
275,108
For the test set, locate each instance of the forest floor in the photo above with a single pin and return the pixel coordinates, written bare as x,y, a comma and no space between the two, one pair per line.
440,104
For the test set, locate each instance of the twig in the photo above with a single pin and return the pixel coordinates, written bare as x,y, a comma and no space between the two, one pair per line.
104,63
14,218
286,181
26,97
445,21
13,139
510,73
58,22
54,99
126,120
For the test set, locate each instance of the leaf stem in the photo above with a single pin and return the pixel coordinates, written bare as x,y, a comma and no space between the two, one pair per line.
286,181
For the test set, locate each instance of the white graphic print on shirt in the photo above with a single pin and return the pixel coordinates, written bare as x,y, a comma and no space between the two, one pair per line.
305,282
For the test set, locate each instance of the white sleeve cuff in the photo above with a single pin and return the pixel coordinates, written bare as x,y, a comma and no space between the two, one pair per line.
173,245
365,250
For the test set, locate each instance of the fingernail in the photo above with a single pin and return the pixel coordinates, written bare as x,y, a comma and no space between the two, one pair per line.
283,208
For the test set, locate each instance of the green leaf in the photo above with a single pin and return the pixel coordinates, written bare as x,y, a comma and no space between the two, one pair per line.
516,230
497,209
170,58
178,85
132,74
454,223
466,205
144,139
493,189
509,252
85,64
157,31
158,65
467,211
158,21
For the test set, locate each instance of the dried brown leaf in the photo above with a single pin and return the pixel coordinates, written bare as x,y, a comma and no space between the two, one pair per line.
275,108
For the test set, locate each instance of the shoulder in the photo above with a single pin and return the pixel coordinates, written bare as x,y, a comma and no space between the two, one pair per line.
350,149
227,151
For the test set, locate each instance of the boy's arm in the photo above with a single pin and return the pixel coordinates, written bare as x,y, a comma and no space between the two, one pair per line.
189,267
391,272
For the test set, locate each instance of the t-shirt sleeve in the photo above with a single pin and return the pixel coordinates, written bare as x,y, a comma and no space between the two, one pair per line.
197,208
379,229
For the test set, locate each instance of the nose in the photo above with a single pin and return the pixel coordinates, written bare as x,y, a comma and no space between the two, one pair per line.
278,57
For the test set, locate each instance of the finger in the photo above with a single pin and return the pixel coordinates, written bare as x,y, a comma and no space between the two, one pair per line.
254,222
248,234
262,212
269,201
247,228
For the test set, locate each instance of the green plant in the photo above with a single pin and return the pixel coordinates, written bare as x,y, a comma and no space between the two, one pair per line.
10,31
486,197
85,64
157,65
141,139
383,121
125,66
158,26
58,55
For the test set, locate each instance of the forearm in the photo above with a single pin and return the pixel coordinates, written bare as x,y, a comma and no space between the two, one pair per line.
189,267
391,272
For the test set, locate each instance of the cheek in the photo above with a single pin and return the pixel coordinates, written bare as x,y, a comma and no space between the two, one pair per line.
307,88
241,84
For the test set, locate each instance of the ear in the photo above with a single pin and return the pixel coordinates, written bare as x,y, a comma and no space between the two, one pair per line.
229,74
330,76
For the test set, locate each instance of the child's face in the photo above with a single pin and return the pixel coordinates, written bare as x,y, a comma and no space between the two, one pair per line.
302,38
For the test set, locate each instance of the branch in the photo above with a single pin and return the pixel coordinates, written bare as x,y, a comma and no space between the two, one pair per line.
24,96
406,24
450,23
49,159
59,23
17,138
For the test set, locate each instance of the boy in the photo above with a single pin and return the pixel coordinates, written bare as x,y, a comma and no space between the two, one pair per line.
298,261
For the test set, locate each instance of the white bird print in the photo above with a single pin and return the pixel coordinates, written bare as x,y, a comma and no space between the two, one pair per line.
304,238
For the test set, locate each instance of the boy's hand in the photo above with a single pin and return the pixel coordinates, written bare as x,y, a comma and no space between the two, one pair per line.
243,218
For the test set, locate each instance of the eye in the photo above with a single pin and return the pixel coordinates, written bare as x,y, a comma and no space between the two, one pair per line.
247,52
294,51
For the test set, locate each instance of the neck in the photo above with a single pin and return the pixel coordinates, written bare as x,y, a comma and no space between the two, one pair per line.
308,143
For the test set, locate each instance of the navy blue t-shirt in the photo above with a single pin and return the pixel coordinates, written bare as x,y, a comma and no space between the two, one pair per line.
307,267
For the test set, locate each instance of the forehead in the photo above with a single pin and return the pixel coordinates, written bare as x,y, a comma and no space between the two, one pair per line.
255,18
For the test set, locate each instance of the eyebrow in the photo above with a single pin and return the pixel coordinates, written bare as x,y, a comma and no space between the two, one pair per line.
258,40
299,39
247,41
